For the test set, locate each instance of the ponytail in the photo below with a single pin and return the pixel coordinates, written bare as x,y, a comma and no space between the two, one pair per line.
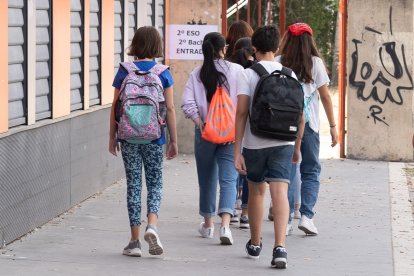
213,43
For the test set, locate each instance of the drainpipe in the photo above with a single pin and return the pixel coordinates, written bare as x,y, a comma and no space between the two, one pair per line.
343,19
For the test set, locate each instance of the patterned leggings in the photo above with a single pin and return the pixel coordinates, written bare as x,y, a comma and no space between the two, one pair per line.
134,155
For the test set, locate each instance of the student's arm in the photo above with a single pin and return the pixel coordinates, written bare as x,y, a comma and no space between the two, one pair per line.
189,103
242,111
327,105
172,147
298,141
113,144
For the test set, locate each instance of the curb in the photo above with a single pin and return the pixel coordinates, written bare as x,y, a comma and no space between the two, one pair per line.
402,222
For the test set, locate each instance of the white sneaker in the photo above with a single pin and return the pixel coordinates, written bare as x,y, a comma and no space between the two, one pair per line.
307,226
296,214
289,229
206,232
225,235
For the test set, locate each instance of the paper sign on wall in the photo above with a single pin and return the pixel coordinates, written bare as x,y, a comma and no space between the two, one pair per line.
185,41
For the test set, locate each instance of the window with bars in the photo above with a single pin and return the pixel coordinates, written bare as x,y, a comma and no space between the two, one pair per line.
76,55
43,60
94,53
17,63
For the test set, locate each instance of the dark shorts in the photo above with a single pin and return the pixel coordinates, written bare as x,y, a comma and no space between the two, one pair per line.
269,164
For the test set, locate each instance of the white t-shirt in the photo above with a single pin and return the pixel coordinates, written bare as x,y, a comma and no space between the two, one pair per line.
246,85
320,77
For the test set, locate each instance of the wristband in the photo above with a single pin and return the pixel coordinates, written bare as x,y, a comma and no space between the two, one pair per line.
333,126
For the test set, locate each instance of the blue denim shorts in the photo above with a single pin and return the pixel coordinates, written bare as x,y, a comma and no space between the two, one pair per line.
269,164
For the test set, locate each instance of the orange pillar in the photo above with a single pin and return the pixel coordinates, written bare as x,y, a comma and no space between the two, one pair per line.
61,58
166,34
107,51
237,10
343,18
282,16
4,76
259,13
248,12
224,17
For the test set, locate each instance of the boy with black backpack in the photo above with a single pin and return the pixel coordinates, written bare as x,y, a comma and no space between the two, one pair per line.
269,125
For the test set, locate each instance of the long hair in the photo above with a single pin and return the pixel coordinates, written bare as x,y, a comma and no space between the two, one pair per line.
213,43
242,51
237,30
297,52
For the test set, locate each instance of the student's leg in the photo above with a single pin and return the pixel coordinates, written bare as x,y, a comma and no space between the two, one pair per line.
207,172
245,195
310,169
256,209
133,170
256,165
292,191
278,192
278,176
297,198
228,182
152,156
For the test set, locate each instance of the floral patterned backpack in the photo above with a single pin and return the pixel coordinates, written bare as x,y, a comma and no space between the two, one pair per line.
140,109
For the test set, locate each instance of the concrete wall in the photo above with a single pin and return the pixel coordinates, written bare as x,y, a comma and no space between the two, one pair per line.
49,168
181,12
380,80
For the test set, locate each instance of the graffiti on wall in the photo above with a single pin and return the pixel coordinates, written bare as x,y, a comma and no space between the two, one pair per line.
383,76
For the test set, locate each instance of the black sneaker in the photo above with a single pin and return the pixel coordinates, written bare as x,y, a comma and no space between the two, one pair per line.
244,222
253,251
279,259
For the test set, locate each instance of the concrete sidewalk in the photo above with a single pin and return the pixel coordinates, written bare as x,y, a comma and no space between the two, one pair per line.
358,235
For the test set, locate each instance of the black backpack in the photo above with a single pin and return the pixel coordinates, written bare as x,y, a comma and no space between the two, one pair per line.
277,104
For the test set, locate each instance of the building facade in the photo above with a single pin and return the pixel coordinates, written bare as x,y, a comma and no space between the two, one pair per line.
58,59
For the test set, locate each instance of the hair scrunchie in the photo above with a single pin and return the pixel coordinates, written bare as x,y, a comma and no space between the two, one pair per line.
298,29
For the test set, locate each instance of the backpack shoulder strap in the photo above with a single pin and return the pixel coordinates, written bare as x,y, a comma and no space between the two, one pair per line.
129,66
286,71
259,69
158,69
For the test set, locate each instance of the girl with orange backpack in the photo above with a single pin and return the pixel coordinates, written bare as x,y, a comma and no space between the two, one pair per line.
214,81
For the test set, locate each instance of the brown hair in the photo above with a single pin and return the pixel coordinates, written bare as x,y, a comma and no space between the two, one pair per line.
237,30
297,52
146,43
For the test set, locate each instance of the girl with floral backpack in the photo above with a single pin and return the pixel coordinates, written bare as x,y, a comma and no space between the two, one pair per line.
128,117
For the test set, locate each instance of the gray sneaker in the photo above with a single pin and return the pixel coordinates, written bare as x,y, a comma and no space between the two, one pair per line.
153,240
133,249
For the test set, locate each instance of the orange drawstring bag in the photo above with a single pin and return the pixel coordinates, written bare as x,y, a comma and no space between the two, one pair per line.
220,122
